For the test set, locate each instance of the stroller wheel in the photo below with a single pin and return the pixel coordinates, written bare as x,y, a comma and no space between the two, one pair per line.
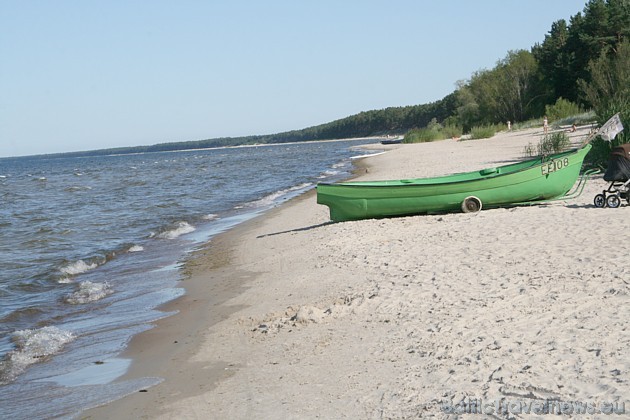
613,201
600,201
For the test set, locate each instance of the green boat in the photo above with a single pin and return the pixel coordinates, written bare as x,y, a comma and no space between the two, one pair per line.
531,181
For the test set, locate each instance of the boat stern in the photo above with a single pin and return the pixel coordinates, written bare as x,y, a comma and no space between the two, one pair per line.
342,208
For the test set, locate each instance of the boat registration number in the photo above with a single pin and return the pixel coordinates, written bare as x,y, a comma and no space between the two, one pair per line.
554,165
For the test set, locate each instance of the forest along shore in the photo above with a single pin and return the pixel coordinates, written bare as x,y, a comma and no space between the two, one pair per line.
291,316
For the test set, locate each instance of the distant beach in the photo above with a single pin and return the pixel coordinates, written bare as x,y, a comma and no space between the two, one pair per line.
290,316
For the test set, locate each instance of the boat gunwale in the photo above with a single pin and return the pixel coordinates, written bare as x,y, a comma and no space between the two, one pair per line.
413,183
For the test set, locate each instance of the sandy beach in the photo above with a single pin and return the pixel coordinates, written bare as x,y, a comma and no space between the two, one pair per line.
289,316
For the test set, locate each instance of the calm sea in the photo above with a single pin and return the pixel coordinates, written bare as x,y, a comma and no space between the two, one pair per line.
90,247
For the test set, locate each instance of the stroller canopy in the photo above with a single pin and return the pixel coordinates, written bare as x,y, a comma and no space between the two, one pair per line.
619,164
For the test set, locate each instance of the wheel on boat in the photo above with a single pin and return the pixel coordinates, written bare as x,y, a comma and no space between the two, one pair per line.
471,204
600,200
613,201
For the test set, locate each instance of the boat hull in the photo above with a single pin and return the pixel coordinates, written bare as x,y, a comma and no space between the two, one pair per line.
533,180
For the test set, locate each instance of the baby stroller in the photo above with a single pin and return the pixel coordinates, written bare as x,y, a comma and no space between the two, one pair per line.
618,174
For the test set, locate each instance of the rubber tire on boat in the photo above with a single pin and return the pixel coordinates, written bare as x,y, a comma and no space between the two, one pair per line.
600,201
471,204
613,201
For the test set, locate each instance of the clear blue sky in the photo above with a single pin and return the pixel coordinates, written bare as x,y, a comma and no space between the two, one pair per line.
88,74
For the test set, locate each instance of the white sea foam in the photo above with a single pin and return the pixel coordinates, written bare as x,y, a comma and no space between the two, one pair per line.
78,267
89,292
210,217
32,346
274,197
181,229
135,248
327,174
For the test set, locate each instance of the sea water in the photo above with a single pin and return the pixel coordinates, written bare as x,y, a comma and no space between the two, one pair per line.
90,247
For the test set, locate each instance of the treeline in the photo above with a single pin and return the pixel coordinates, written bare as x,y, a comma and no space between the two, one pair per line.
585,61
394,120
567,64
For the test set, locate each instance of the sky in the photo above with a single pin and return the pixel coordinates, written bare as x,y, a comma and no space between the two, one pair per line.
87,74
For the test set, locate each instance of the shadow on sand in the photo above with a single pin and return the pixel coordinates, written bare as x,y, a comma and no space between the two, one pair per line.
303,229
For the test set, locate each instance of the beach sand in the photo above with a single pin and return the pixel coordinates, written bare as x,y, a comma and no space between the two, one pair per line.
290,316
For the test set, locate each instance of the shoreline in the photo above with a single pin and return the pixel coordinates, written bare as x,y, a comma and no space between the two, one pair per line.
163,340
177,337
288,315
62,155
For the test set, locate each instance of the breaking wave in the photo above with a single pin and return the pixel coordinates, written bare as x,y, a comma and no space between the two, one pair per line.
78,267
89,292
276,196
32,346
181,229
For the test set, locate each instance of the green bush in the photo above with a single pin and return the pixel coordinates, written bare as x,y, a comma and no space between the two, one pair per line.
434,131
562,109
524,125
451,131
452,120
609,92
577,119
422,135
600,153
482,132
581,118
434,125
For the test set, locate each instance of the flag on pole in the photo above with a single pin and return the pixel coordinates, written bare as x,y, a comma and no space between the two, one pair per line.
612,127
